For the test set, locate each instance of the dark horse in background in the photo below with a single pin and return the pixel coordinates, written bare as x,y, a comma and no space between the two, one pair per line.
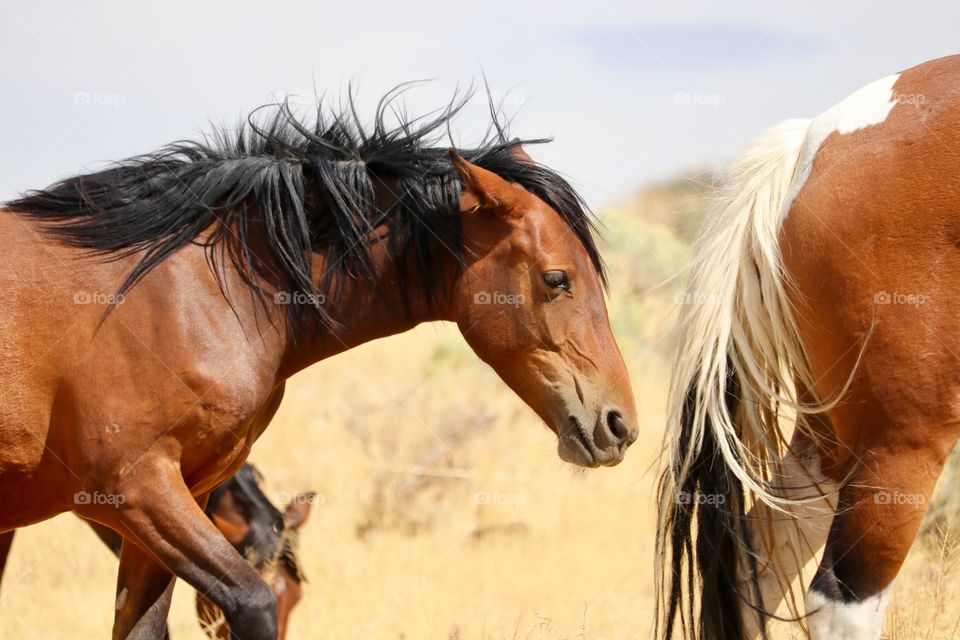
264,535
156,308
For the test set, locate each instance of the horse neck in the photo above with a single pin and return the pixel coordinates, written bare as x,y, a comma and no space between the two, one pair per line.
392,302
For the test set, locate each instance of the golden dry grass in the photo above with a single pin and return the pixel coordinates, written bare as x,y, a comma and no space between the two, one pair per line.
926,605
444,512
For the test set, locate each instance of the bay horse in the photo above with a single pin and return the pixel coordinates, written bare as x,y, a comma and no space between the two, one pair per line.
816,385
155,308
265,536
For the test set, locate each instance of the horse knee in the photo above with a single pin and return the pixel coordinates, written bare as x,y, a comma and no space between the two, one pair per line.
254,614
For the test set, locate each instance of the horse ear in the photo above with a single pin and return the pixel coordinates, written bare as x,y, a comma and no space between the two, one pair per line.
232,532
296,513
520,153
484,190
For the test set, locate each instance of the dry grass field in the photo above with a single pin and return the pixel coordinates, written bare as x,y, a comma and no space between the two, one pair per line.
443,510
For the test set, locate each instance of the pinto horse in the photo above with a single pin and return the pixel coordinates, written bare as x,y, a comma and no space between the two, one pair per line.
156,308
815,388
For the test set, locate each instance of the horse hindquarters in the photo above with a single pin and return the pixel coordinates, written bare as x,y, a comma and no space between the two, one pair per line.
871,248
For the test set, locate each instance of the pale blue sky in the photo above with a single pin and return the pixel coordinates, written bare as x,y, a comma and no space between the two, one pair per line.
631,92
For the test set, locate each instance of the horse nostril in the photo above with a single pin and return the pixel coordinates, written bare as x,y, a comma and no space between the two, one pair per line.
616,425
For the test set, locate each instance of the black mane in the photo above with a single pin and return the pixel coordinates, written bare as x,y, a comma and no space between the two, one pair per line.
310,185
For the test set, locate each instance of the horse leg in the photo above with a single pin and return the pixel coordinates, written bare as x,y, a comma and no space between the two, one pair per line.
165,520
108,536
157,615
786,542
878,514
154,611
144,592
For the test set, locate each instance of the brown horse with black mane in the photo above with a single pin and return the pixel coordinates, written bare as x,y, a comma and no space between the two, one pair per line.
824,295
228,266
265,536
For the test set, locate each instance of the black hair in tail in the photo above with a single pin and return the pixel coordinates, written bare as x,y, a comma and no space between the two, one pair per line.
708,501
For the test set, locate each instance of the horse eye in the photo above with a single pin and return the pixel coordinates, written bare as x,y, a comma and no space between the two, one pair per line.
556,280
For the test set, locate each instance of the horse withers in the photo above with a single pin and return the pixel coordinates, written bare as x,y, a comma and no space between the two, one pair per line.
823,292
157,307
